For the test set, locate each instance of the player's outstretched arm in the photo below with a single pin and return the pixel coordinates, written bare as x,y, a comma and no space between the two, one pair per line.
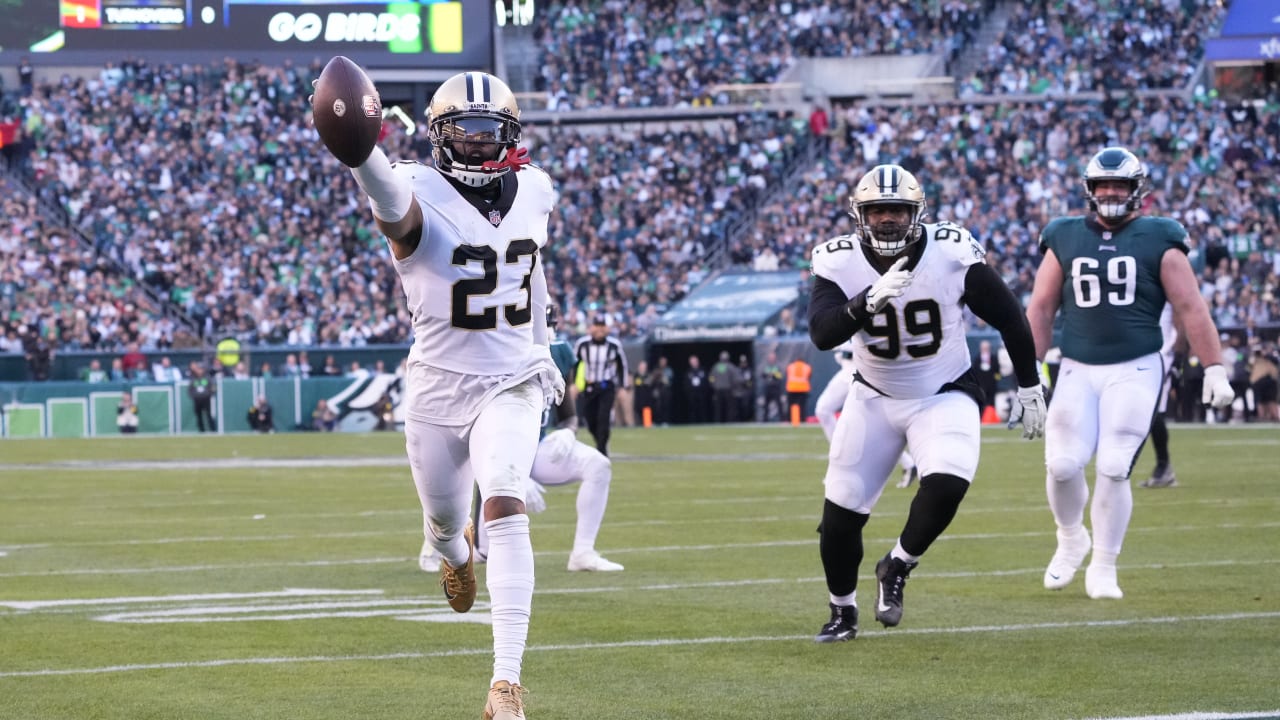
347,113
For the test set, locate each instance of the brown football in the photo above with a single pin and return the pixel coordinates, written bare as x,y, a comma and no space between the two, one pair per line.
347,111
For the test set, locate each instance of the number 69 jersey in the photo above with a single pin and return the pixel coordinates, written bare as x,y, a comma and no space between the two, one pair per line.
916,343
470,287
1112,296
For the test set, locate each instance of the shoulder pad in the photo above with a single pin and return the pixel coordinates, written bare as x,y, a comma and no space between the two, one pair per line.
830,256
956,241
1054,227
1168,230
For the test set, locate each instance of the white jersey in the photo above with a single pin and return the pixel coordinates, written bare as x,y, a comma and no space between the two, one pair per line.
468,287
916,343
844,356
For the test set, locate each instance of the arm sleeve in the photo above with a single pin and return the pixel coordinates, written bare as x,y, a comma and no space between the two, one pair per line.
833,317
990,299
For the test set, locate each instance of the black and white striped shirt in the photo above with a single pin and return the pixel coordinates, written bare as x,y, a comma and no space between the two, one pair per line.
603,362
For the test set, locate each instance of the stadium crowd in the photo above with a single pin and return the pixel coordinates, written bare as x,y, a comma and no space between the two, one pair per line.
613,54
211,212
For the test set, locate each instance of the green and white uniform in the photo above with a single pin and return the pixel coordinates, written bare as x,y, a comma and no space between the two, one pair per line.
1112,369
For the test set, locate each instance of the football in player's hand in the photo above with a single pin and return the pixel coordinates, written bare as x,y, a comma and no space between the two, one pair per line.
347,111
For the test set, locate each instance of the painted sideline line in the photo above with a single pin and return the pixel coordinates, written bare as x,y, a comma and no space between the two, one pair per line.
654,642
1205,715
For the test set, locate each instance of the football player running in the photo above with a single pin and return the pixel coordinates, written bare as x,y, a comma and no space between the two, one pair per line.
831,401
465,236
1110,272
898,286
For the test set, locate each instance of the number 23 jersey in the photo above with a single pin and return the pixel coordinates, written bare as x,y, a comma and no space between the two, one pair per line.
916,343
468,284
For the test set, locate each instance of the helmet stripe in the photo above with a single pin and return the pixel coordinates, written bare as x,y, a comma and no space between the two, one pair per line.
486,95
888,179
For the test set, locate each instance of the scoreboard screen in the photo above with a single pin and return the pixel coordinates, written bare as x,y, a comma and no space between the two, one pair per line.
429,34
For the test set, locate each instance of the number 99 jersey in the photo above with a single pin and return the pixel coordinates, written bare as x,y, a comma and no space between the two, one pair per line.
916,343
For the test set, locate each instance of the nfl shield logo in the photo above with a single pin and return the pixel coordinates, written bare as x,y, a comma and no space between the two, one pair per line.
495,217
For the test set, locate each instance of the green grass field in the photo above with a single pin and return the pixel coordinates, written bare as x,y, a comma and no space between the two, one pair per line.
276,577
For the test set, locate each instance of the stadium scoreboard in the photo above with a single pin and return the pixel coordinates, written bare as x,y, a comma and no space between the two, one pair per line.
429,34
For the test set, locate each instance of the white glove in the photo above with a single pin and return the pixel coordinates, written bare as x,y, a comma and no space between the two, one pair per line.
890,285
533,500
1030,411
1217,388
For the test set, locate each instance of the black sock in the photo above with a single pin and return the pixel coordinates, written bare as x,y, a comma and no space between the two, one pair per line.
840,545
1160,440
931,512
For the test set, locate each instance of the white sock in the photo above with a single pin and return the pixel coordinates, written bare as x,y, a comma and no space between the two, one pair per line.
1112,508
454,551
510,581
593,495
903,555
844,600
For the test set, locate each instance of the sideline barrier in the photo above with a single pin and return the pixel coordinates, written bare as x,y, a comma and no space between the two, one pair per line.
80,409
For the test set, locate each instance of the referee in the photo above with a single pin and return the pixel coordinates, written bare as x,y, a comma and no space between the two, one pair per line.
602,366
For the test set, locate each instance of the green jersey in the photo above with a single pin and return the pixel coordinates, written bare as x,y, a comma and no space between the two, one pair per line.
562,355
1111,291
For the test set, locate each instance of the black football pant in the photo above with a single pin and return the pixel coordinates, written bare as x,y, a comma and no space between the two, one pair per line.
596,408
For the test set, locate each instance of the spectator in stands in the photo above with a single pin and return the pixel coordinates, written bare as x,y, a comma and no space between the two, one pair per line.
330,367
134,363
26,76
165,371
40,353
93,373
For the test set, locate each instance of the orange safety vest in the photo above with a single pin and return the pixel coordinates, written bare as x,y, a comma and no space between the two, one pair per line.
798,373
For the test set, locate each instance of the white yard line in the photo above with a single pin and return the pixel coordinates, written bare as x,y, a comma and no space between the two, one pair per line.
652,642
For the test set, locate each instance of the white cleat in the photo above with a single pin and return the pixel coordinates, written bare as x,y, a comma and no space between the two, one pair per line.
1072,549
428,558
1100,583
591,562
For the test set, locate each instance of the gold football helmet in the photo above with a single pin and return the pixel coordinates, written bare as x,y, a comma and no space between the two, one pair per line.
887,185
472,121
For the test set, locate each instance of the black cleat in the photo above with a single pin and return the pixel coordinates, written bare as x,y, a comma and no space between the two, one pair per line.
843,625
891,577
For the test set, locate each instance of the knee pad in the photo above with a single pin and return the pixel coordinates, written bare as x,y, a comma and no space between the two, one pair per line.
1064,469
1114,465
597,469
